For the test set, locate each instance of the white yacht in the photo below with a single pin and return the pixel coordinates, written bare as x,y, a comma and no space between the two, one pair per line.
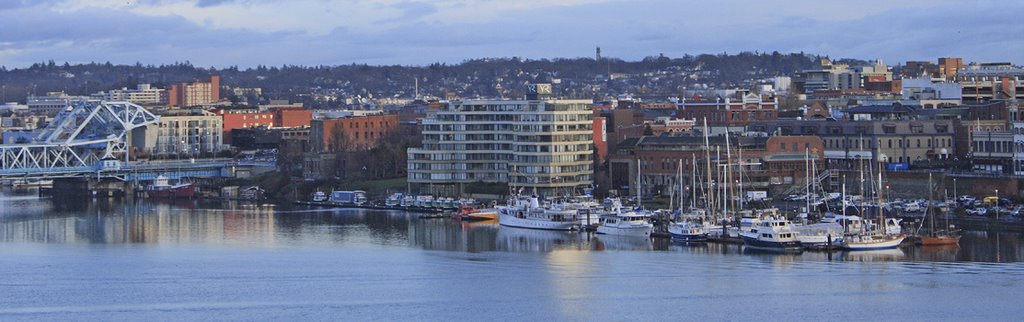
773,233
688,231
626,223
528,213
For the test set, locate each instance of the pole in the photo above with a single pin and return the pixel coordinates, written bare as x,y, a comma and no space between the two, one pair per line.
639,178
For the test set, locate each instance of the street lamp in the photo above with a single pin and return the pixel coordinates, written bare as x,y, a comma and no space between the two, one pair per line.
997,204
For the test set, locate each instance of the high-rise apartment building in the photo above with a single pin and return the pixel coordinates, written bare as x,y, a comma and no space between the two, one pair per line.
539,144
194,93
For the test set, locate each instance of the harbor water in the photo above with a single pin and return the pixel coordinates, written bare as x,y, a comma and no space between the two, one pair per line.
109,260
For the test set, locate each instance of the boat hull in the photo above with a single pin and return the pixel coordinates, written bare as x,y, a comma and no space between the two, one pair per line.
638,231
513,221
689,237
775,246
186,191
938,240
888,243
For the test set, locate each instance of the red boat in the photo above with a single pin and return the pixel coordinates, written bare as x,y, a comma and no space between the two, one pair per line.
162,188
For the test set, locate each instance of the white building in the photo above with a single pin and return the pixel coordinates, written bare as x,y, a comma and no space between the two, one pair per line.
143,94
184,133
542,145
52,103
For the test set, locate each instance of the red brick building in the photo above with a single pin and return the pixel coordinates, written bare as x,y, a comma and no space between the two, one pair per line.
292,116
350,133
243,118
194,93
730,111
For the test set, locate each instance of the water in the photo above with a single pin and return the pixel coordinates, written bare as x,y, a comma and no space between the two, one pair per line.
72,260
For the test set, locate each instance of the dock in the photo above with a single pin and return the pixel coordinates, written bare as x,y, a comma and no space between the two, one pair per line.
423,210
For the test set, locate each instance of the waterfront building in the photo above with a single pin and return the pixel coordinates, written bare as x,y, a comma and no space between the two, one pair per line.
538,144
181,132
338,146
890,140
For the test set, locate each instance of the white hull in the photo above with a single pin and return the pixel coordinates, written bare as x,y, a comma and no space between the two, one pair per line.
873,243
639,230
535,223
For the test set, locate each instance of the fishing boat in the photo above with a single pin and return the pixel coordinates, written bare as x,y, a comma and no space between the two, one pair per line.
528,213
773,233
161,188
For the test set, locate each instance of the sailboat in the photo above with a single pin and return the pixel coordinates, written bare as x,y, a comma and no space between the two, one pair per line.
877,238
935,237
690,225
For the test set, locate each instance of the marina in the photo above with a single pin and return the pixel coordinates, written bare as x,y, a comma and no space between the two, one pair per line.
244,261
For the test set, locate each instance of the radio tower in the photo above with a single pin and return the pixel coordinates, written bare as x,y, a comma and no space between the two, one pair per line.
598,59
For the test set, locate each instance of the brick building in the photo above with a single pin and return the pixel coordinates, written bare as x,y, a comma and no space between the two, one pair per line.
738,110
195,93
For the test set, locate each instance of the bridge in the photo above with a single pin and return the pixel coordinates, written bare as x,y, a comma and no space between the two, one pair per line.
91,140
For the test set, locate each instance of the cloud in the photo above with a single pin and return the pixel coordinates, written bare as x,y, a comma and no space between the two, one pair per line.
251,32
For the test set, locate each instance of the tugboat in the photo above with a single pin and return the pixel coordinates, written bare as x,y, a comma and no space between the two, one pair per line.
161,188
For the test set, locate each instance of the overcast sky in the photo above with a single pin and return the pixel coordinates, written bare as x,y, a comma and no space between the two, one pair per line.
309,32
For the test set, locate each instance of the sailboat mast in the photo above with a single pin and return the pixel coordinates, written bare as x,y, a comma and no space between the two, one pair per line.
844,203
639,200
931,214
881,210
693,194
807,176
728,174
679,179
709,201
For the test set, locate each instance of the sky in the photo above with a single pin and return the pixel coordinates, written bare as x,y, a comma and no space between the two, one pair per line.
246,33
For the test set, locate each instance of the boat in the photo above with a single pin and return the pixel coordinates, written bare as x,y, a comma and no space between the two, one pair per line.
688,231
161,188
875,237
356,197
626,223
871,241
773,233
937,237
394,200
319,196
819,235
470,213
527,213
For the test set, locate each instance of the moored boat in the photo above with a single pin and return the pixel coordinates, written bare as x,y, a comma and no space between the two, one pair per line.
528,213
161,188
688,231
626,223
773,233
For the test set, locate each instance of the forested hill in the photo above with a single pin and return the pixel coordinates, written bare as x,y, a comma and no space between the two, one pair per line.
488,77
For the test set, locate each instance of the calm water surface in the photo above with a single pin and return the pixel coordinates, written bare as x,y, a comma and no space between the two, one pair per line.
72,260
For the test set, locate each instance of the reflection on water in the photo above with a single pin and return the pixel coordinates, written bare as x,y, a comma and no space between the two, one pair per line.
25,218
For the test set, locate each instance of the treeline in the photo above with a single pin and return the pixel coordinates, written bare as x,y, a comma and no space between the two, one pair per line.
487,77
